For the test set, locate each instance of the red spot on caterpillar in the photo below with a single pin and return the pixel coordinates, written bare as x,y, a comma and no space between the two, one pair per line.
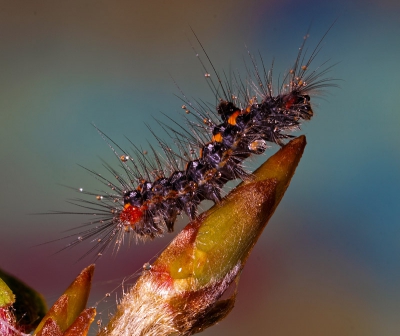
131,214
289,103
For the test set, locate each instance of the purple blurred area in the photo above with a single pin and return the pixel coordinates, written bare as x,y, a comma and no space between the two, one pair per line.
327,264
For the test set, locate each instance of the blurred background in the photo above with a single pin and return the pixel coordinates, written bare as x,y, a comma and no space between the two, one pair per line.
328,263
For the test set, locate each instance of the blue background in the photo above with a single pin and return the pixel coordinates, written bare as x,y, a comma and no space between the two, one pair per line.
328,263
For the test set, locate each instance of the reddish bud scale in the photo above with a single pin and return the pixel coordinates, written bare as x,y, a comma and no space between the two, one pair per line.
7,322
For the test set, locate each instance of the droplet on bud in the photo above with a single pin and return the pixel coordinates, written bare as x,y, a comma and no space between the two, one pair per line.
146,267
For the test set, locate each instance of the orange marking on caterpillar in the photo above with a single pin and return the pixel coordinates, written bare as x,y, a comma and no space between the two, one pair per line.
251,103
217,137
232,118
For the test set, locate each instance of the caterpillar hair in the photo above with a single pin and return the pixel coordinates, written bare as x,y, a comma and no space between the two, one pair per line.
149,191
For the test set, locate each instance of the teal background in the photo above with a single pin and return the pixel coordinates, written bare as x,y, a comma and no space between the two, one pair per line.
329,261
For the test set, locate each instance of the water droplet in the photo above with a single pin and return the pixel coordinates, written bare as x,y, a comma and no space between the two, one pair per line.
124,158
80,189
108,295
99,197
183,107
258,146
207,75
146,267
80,238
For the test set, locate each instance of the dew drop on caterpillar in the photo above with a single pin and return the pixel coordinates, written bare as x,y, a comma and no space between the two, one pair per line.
149,191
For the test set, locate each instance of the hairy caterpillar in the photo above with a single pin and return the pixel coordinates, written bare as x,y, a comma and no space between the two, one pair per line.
146,199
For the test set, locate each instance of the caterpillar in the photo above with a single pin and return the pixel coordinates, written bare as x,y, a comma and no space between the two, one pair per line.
146,199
